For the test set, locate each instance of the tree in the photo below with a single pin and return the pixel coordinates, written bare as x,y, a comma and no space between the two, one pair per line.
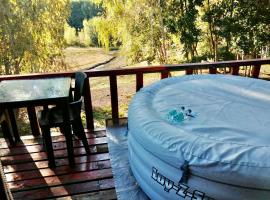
253,19
70,35
146,29
82,10
31,34
137,26
180,18
236,26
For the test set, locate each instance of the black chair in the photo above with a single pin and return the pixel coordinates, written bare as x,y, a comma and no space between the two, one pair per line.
53,117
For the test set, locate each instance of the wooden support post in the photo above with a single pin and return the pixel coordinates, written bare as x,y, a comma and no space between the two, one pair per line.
139,81
164,74
12,119
256,71
114,96
33,121
212,70
189,71
88,105
235,70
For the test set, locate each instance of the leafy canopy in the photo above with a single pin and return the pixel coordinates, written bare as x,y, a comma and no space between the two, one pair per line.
31,34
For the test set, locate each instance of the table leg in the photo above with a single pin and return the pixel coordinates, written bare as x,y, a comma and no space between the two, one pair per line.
68,134
14,125
33,120
48,144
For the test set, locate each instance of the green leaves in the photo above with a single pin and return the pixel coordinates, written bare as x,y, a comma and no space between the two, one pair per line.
31,34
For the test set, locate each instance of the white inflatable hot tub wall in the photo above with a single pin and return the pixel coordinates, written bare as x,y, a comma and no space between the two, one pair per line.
219,158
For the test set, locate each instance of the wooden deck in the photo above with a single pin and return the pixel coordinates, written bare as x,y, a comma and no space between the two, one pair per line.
28,175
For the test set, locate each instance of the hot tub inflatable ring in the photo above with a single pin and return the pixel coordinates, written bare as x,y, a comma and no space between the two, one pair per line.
222,151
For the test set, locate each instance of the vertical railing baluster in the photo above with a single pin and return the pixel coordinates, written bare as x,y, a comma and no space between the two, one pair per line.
88,105
189,71
235,70
13,123
212,70
114,96
33,120
256,71
164,74
139,81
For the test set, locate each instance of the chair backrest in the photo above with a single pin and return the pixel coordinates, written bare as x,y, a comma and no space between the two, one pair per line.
80,78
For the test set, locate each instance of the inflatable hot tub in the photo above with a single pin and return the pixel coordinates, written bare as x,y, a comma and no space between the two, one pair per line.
202,137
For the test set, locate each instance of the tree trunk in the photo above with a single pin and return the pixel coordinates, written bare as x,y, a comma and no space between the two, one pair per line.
7,67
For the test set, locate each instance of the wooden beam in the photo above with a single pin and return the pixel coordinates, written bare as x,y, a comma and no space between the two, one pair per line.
212,70
139,81
165,74
151,69
33,120
189,71
13,123
235,70
88,106
256,71
114,97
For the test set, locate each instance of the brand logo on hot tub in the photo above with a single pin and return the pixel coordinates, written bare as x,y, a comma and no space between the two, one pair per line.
180,189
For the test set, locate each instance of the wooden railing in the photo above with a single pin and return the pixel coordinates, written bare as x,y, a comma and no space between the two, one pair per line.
165,70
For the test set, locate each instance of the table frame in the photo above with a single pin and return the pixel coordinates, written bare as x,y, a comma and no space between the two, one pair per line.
30,105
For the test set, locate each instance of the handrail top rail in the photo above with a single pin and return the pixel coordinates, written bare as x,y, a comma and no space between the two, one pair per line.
143,69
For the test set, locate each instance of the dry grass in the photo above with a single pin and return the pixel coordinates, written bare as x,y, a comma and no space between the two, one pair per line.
78,58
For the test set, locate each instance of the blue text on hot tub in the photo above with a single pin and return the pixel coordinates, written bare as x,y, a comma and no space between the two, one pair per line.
181,189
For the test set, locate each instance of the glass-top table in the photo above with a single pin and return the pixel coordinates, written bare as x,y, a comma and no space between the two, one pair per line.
36,92
18,92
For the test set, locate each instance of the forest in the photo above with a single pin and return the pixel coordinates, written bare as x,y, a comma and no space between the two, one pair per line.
33,34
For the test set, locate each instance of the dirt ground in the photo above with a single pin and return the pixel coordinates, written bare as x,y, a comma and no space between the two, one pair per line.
77,58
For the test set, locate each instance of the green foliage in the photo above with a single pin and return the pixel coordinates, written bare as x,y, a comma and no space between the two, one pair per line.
180,18
137,26
211,30
252,25
236,26
82,10
85,38
31,34
70,35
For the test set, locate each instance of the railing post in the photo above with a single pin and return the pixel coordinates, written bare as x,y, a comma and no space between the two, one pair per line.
256,71
235,70
212,70
164,74
12,119
139,81
33,120
189,71
114,96
88,105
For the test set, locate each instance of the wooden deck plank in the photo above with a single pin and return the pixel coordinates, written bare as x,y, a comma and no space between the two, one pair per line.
80,151
40,173
59,162
29,177
56,146
104,195
63,190
30,140
60,180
